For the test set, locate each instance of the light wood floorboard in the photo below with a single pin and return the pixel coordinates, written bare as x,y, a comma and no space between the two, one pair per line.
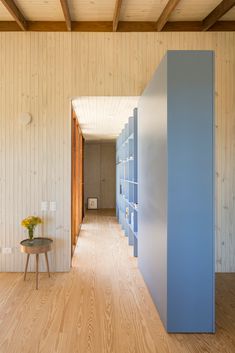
101,306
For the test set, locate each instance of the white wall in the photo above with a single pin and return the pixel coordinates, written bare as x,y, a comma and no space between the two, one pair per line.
100,173
41,73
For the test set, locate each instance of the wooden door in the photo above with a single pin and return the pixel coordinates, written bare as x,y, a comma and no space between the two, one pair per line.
77,192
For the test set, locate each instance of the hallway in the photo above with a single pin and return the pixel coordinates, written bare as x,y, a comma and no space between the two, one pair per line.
120,317
101,306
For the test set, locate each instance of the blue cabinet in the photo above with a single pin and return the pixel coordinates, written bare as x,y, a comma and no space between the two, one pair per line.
176,197
127,181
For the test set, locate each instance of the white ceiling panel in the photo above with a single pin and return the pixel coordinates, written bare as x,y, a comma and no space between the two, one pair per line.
102,118
91,10
41,10
139,10
193,10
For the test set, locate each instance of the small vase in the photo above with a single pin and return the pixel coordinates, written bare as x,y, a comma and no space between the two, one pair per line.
30,230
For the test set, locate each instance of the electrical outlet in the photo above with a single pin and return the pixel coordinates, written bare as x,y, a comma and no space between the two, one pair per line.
6,250
44,206
53,206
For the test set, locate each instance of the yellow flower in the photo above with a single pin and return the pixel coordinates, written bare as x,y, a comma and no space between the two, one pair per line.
31,222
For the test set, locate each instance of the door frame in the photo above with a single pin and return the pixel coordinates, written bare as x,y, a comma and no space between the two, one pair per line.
77,179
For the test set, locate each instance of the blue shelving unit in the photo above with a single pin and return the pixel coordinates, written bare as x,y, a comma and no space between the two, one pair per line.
176,182
127,181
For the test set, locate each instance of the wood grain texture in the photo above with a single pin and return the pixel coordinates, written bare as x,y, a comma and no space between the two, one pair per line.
40,74
102,305
193,10
104,117
166,13
217,13
178,26
95,10
139,10
229,16
77,180
116,14
4,13
41,10
123,26
33,162
16,13
102,10
197,26
67,17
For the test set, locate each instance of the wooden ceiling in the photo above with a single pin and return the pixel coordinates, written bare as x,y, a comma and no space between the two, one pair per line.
117,15
102,118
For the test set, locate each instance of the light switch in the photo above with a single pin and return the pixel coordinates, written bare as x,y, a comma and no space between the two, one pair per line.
52,206
6,250
44,206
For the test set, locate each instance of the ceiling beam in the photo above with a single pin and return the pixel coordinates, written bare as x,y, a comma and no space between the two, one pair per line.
186,26
67,17
15,13
116,14
124,26
223,26
165,15
217,13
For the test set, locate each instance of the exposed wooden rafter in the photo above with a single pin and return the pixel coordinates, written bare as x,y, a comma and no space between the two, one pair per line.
15,13
217,13
165,15
211,22
116,14
123,26
65,8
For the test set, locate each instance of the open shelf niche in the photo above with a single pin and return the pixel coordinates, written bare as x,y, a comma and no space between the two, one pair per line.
127,181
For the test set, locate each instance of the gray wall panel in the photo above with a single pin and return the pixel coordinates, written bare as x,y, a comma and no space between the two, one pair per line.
100,173
92,171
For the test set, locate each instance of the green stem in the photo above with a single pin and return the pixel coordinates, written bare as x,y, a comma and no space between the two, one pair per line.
30,233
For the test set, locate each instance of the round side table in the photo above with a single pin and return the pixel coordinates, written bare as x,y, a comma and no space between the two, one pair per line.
36,246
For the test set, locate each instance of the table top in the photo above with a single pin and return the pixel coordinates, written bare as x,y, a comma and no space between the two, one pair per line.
36,242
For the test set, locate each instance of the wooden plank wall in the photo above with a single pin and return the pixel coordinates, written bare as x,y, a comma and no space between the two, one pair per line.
40,73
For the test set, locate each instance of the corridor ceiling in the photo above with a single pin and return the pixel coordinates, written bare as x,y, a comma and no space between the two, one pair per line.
102,118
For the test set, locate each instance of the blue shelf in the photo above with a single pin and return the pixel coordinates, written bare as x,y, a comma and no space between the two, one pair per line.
176,185
132,230
127,181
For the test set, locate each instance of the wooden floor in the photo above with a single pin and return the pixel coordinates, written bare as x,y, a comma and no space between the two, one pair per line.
101,306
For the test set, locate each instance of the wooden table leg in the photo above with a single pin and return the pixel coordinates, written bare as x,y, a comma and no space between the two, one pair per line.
26,266
37,256
47,262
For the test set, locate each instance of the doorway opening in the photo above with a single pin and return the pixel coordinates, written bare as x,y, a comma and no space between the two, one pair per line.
99,120
99,131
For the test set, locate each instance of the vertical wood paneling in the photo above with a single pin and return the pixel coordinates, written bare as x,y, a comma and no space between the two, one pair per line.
40,73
